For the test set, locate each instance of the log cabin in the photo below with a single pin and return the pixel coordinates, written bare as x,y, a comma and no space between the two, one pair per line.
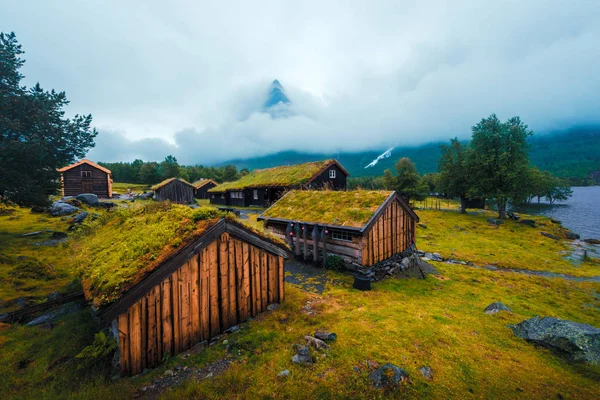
202,186
86,177
183,290
174,190
264,187
362,227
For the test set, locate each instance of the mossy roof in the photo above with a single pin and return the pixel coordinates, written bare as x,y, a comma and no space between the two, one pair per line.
167,181
124,246
353,208
84,161
283,176
202,182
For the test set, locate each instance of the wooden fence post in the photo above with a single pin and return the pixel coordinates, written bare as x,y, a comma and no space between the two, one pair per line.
297,241
304,236
315,235
324,237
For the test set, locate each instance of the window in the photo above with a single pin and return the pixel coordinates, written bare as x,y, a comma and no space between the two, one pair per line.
212,196
255,194
236,195
86,174
341,235
332,174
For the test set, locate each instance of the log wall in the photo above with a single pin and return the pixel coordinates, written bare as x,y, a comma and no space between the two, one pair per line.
392,233
228,282
73,183
175,191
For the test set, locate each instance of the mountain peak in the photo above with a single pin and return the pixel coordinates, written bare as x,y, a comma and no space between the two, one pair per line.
276,95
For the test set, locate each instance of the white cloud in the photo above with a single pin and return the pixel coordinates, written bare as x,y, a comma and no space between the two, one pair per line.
189,78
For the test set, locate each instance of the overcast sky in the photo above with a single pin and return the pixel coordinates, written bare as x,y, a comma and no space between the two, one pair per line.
189,78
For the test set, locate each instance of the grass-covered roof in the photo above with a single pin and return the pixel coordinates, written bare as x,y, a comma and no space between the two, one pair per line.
351,208
202,182
167,181
287,175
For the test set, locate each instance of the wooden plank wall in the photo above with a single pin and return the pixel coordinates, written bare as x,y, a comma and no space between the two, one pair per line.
391,234
228,282
72,181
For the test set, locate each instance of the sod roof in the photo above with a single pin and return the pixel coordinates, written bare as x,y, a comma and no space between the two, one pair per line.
84,161
203,182
283,176
124,246
167,181
352,208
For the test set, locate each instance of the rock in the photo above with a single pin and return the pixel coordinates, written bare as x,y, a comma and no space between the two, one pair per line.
317,343
31,234
579,342
433,257
88,198
326,336
422,226
58,235
496,307
107,204
53,314
79,218
283,374
169,372
388,376
592,241
495,221
146,195
571,235
273,306
59,208
528,222
23,302
38,209
302,356
428,268
427,372
549,235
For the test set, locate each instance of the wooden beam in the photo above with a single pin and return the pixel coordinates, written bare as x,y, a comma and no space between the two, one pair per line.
315,236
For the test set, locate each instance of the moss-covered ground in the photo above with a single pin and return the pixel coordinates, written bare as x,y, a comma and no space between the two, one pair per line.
437,322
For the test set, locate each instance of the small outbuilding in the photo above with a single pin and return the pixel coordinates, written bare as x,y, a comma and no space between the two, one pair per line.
264,187
202,186
194,281
86,177
363,227
174,190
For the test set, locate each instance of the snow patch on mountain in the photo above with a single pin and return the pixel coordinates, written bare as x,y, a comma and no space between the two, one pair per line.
386,154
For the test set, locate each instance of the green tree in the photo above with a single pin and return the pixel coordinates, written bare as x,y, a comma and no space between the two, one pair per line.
149,173
35,137
169,168
499,162
407,182
455,178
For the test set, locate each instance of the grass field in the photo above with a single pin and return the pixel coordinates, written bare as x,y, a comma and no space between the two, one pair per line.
437,322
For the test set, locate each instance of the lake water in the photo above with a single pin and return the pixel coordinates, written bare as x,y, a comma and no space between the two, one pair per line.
581,213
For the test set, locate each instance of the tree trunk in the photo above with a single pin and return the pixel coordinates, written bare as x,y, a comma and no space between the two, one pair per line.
501,209
463,205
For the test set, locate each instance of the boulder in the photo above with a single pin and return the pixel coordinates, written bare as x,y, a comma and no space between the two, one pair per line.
38,209
496,307
571,235
427,372
317,343
326,336
549,235
59,208
592,241
433,257
88,198
388,376
302,356
578,342
79,218
283,374
528,222
495,221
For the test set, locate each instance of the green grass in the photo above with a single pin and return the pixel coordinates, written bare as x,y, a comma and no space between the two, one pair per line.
121,187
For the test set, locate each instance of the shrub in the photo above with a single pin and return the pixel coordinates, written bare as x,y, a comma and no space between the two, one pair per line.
30,268
336,263
99,352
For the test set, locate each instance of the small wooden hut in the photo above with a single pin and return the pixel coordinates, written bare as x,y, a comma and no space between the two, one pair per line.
85,177
175,190
220,275
363,227
265,186
202,186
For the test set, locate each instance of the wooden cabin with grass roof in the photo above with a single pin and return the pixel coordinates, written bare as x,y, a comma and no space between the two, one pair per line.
202,186
174,190
264,187
85,177
166,277
362,227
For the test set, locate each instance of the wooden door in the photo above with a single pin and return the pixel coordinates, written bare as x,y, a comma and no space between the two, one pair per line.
86,186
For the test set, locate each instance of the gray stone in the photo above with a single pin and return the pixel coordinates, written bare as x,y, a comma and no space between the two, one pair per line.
169,372
571,235
495,221
433,257
549,235
578,342
302,356
31,233
79,218
496,307
427,372
285,373
528,222
54,314
59,208
388,376
273,306
88,198
592,241
326,336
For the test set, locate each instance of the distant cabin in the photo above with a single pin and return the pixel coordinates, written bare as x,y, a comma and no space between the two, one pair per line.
202,186
265,186
221,277
363,227
175,190
85,177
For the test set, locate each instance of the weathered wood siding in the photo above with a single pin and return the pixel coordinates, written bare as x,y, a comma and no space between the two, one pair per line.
74,182
175,191
392,233
202,193
228,282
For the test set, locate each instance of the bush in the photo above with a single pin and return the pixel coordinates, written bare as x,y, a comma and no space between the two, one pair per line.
99,352
30,268
336,263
